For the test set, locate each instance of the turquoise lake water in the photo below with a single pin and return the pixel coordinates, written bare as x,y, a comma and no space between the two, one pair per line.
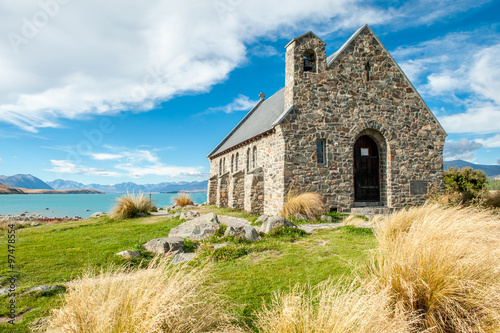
83,205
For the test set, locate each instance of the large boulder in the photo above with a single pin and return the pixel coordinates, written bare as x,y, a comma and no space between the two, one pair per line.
197,229
239,228
262,219
165,245
274,222
189,215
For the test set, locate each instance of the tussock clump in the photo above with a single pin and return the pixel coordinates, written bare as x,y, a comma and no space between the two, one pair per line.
131,205
355,220
331,307
183,199
309,203
160,298
443,265
493,199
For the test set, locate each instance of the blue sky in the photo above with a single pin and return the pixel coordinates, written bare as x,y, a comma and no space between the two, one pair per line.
106,92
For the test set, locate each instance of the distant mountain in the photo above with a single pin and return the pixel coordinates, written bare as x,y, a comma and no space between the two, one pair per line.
60,184
4,189
492,171
24,181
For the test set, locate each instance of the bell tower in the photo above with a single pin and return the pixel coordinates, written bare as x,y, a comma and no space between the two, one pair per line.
305,56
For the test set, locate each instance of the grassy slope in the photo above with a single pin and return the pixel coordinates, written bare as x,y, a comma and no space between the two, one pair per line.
57,253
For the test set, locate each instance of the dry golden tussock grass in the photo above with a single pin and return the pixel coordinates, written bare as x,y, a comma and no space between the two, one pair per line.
333,308
309,203
443,265
183,199
160,298
130,205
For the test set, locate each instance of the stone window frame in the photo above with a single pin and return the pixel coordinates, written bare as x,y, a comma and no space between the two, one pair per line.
232,163
236,160
220,167
310,54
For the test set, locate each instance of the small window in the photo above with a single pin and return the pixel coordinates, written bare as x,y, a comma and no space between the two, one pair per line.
254,157
320,152
237,158
367,69
224,165
220,167
248,159
365,152
232,163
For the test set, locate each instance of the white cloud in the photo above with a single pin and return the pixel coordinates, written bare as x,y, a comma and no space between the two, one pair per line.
64,166
104,156
161,170
492,142
240,103
461,150
91,58
462,69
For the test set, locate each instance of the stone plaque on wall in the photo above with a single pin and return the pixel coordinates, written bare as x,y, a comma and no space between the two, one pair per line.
418,187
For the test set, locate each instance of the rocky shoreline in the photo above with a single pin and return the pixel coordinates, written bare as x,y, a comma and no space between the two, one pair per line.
26,217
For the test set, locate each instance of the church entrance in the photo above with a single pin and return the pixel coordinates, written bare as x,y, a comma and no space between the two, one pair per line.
366,170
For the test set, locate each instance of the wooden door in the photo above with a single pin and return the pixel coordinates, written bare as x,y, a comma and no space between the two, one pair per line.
366,170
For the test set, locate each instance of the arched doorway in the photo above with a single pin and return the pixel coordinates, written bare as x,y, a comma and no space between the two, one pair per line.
366,170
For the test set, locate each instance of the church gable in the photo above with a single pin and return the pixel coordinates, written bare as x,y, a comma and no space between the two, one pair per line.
363,63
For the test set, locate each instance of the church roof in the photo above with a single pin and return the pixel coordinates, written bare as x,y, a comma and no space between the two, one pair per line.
258,121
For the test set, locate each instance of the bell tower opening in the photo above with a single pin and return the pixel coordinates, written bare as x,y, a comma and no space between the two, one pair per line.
309,59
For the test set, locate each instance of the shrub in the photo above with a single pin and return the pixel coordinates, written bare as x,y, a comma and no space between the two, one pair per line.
331,307
441,264
183,199
493,199
309,204
469,184
160,298
131,205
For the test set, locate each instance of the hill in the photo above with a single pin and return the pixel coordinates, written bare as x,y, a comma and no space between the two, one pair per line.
42,191
4,189
492,171
24,181
125,187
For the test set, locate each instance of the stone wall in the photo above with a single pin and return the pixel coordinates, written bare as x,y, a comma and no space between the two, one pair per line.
339,105
238,192
212,190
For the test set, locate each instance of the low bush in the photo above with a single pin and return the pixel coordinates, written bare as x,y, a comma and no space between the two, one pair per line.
131,205
183,199
160,298
492,199
309,204
465,185
441,265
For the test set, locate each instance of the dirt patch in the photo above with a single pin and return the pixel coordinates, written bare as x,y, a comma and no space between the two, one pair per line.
321,243
19,317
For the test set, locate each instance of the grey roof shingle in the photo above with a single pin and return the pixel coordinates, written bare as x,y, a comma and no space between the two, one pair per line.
259,120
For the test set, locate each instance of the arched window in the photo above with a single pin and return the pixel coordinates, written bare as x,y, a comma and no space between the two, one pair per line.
224,165
254,157
232,163
220,167
248,159
309,59
237,161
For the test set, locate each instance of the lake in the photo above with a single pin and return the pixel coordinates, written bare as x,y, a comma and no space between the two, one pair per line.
84,205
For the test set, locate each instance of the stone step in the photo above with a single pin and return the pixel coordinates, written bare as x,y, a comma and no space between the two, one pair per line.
370,212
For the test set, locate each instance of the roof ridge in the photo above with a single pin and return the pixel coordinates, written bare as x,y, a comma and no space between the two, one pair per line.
344,46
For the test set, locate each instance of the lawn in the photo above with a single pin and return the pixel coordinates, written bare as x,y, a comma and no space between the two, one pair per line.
245,273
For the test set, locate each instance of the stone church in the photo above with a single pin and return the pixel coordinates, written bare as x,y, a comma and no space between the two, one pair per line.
350,126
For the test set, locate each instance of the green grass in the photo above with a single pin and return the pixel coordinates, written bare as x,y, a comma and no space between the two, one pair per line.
247,273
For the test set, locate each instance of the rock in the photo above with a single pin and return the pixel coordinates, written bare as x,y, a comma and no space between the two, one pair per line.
161,208
239,228
300,216
262,218
41,288
325,218
98,214
76,217
275,222
177,214
129,254
35,224
218,246
141,215
182,257
4,291
189,215
154,209
165,245
189,206
176,207
198,229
